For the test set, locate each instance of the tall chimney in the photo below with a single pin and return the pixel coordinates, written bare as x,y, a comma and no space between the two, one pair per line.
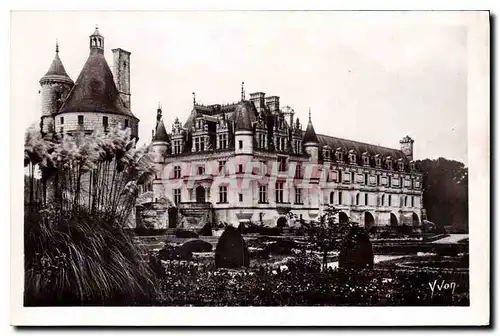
121,74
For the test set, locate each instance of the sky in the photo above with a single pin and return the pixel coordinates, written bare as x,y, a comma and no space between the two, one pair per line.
370,77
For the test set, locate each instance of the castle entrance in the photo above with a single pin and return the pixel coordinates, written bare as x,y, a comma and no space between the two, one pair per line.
200,195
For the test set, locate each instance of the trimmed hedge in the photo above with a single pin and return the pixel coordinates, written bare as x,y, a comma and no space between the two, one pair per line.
231,250
180,233
206,230
356,251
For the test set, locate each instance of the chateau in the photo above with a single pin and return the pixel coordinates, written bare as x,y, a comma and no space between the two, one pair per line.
245,161
251,161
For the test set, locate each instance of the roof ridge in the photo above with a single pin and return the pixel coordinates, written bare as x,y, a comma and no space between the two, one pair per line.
360,142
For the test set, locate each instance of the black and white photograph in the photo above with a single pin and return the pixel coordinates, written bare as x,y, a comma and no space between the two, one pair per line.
251,159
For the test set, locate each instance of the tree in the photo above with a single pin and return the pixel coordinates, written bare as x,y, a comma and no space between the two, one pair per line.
327,235
445,192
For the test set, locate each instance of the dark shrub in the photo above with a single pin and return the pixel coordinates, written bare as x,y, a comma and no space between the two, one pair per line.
269,231
282,222
197,245
185,234
449,250
356,250
281,246
170,252
259,253
241,228
144,231
206,230
231,250
384,234
304,263
405,229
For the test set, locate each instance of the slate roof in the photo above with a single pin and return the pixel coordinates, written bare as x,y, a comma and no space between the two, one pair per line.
360,147
244,116
95,90
57,71
161,132
310,134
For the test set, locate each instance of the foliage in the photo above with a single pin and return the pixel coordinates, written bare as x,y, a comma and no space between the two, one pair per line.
197,245
445,192
76,249
356,251
206,230
180,233
192,284
231,250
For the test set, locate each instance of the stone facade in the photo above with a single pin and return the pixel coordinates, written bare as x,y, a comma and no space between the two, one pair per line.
267,165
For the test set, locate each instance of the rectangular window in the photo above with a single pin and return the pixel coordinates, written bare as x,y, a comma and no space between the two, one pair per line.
240,144
298,196
340,197
202,144
223,194
401,182
196,144
105,122
389,181
412,201
62,130
201,170
298,171
366,178
80,120
222,166
279,192
282,163
240,168
262,194
390,200
177,146
366,199
222,141
240,197
177,196
352,178
378,179
126,123
177,172
339,176
62,120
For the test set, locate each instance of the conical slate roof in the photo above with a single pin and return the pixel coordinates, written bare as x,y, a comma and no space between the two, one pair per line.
310,134
244,116
160,132
56,71
95,90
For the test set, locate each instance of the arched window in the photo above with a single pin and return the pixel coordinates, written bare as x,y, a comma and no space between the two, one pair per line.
332,197
382,200
357,199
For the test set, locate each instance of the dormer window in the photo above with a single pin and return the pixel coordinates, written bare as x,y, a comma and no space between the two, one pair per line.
378,161
388,162
352,157
366,159
338,155
401,165
412,166
326,153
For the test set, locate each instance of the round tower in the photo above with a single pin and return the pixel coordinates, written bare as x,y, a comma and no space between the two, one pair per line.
56,85
310,141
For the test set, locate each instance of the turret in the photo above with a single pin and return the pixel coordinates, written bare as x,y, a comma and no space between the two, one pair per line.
407,147
244,117
56,85
310,141
161,140
96,42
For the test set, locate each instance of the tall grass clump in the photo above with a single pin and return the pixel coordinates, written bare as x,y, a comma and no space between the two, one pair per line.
79,193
